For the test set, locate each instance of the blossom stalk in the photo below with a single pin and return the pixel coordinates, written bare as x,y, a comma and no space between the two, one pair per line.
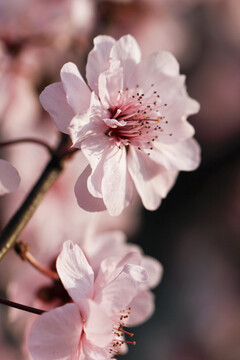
22,250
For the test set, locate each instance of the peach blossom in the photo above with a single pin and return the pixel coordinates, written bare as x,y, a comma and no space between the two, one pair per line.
132,127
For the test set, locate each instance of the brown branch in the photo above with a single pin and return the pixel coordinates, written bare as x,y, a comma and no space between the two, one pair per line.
20,219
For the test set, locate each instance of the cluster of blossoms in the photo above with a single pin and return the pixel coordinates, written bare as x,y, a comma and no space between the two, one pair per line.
130,123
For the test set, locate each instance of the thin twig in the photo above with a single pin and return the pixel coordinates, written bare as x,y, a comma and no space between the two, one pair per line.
28,140
21,306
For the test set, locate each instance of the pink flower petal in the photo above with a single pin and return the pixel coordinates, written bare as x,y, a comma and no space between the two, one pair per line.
136,272
110,87
88,122
75,272
113,266
142,308
104,246
98,327
154,270
92,352
161,62
77,91
55,335
9,177
116,184
117,294
98,59
95,148
86,200
184,155
127,51
53,99
151,180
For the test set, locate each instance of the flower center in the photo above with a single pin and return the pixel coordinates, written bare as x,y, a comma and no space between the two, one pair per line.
118,342
139,117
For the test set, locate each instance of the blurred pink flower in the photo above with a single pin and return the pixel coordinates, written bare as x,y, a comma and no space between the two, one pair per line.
132,128
8,349
19,107
50,18
9,352
9,178
91,327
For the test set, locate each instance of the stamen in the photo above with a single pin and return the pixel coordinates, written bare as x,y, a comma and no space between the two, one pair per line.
117,113
141,112
121,342
125,332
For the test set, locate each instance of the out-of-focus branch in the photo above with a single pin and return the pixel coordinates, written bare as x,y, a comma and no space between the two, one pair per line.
28,140
21,307
20,219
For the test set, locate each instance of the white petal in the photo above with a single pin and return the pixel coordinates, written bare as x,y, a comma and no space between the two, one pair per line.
142,308
127,52
136,272
77,91
95,148
98,327
152,181
92,352
103,246
56,334
75,272
148,70
110,87
98,59
88,122
154,270
117,294
116,183
184,155
53,99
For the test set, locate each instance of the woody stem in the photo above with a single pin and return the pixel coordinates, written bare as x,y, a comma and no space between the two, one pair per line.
22,216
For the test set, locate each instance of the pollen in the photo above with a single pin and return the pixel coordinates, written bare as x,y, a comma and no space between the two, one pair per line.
136,117
119,333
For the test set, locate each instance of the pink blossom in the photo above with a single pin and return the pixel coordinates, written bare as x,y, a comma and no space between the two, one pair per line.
30,287
92,326
9,178
132,127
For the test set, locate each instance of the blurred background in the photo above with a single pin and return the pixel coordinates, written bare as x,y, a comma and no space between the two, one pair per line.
196,231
